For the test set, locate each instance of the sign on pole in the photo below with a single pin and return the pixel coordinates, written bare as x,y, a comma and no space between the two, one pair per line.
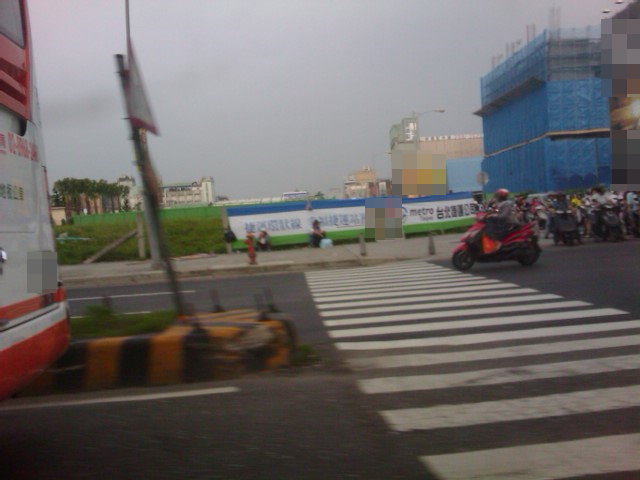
138,107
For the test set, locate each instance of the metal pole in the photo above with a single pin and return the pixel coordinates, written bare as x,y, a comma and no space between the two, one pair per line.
225,226
126,6
432,244
154,227
154,247
141,246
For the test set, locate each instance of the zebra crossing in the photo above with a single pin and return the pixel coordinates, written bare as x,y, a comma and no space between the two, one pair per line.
487,379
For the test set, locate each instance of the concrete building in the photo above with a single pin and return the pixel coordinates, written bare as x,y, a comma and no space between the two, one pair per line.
192,193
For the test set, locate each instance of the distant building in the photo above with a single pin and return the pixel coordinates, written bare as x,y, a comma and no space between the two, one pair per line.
295,195
364,183
464,155
58,215
134,197
454,146
192,193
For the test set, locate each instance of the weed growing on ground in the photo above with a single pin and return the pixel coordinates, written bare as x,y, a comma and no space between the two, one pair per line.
304,355
101,321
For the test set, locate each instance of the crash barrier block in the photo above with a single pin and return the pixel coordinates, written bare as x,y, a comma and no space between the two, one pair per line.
210,346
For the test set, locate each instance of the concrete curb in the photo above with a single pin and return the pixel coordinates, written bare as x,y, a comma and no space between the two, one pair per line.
160,275
224,345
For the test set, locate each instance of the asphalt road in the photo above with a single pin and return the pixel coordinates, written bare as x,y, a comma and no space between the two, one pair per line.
289,291
320,422
606,274
307,425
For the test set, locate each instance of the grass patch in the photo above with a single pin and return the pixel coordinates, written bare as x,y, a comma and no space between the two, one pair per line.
188,236
101,321
97,236
185,236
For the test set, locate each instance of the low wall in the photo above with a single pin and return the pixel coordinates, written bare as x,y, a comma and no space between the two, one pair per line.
225,345
290,224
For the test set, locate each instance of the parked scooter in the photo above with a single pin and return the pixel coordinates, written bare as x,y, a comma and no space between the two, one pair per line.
565,228
607,224
520,244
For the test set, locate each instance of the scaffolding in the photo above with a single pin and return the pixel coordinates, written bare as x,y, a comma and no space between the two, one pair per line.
545,119
561,54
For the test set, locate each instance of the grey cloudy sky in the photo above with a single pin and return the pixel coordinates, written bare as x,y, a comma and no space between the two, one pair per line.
269,96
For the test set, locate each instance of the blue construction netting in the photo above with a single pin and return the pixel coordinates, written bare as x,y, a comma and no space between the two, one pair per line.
520,120
562,54
577,105
577,162
547,164
565,105
528,62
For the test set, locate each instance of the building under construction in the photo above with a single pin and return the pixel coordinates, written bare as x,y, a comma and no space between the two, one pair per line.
545,119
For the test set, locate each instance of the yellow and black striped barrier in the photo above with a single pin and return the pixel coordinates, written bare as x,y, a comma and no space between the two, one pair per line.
212,346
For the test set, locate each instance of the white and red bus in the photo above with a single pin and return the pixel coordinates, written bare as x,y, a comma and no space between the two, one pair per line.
34,319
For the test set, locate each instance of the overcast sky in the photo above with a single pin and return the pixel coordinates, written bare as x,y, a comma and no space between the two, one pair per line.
269,96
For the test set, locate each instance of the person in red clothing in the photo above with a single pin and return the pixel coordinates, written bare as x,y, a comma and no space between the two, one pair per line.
251,249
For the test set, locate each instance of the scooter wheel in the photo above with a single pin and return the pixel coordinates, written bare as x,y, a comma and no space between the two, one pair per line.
463,260
528,256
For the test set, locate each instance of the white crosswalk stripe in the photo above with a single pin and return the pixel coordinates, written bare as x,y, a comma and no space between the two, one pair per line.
428,298
414,291
483,322
495,376
518,351
433,306
442,277
401,285
602,455
466,312
422,359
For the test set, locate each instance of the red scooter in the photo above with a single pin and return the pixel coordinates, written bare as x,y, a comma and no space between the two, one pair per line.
520,244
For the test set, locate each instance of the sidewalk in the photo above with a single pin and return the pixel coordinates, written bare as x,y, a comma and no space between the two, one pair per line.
297,259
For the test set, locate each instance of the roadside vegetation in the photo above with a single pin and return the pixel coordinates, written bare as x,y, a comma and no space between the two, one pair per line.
185,236
101,321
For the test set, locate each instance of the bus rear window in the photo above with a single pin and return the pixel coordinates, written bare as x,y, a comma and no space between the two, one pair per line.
11,21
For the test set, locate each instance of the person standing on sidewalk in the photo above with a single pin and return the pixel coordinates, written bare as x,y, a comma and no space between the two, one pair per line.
251,248
317,234
264,240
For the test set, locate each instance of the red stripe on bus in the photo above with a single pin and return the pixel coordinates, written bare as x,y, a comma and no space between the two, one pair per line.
24,307
22,361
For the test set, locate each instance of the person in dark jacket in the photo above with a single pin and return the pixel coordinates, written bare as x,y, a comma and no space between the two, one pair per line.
316,235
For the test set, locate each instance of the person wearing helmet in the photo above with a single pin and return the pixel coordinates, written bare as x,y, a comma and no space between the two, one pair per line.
498,225
505,207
